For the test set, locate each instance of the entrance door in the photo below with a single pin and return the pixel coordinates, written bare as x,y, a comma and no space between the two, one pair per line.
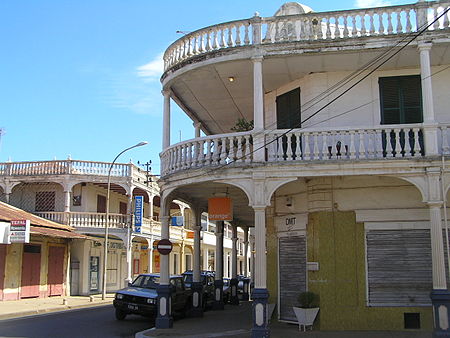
101,204
292,273
144,261
56,270
31,270
2,268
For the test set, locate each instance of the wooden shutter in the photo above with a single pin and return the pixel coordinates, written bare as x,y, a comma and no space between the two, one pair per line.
292,273
399,267
288,110
401,99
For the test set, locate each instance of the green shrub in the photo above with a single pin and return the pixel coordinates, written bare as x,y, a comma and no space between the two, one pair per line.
308,300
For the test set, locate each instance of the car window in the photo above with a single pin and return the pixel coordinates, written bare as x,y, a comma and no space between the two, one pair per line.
187,278
149,282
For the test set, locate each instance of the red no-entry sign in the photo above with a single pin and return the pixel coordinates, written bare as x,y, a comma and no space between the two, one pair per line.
164,247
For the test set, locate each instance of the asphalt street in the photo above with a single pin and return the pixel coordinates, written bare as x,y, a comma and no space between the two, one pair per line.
90,322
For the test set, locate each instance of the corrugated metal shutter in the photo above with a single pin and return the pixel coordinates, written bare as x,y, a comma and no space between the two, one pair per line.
292,270
399,267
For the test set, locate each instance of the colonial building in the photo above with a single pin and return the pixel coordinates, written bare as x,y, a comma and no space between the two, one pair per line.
343,173
37,263
74,193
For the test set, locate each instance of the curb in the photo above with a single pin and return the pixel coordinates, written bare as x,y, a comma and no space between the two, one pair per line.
61,308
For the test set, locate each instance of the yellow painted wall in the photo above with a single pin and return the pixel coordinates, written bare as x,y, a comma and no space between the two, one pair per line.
336,241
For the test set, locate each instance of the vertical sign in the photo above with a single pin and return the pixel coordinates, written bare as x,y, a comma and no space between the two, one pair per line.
138,210
19,231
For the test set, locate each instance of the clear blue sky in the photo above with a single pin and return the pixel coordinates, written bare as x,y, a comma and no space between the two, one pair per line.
82,77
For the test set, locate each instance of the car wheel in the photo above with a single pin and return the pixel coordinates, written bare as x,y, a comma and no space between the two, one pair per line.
120,314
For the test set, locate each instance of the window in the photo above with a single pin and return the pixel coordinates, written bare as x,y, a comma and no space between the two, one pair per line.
45,201
401,99
288,110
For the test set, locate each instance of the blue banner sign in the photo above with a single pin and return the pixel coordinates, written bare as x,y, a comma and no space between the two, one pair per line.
177,221
138,211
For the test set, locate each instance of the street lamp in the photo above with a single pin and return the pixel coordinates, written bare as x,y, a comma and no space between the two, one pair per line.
105,252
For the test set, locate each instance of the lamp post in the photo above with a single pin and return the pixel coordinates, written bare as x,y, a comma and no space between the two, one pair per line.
105,252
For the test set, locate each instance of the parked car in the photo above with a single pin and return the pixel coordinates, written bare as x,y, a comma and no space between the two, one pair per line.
241,279
226,290
140,297
207,279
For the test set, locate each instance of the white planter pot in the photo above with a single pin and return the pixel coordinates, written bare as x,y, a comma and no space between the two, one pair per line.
305,317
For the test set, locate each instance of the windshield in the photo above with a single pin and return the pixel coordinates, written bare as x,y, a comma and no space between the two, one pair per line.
187,278
149,282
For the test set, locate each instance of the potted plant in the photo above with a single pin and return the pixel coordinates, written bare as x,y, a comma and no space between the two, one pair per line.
308,308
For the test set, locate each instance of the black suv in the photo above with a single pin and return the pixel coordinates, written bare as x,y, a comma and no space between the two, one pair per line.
207,279
140,297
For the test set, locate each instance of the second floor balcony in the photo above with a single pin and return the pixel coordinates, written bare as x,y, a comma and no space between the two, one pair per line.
304,146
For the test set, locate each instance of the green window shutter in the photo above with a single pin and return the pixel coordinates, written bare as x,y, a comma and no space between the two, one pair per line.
288,110
400,99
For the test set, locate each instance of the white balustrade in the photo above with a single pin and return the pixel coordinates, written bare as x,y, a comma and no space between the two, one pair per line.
306,27
63,167
85,219
357,143
391,141
208,151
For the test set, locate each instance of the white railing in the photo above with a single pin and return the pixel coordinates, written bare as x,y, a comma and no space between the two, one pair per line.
308,27
86,219
353,143
387,141
63,167
208,151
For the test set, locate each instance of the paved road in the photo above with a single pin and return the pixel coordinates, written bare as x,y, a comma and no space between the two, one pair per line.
86,323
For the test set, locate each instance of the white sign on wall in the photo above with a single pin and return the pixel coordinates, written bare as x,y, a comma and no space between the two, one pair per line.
19,231
291,222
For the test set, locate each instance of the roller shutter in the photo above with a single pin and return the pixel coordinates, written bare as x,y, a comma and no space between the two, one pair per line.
292,272
399,267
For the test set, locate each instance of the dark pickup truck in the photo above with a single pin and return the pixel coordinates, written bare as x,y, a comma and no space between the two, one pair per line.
140,297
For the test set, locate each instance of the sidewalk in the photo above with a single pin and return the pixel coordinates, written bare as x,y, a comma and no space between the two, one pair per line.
236,322
34,306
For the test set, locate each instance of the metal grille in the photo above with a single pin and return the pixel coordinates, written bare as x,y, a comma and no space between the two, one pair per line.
292,265
38,197
399,267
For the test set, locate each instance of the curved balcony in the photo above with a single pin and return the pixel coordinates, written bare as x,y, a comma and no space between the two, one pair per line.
301,146
324,26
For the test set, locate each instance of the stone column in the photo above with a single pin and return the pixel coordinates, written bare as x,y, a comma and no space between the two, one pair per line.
246,286
258,109
218,282
205,259
260,293
197,286
164,318
440,296
234,299
197,126
430,125
150,253
150,204
166,120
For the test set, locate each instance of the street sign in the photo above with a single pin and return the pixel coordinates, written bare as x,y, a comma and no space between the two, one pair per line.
164,247
19,231
138,211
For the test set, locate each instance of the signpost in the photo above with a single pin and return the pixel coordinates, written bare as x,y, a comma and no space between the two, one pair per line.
19,231
164,247
138,211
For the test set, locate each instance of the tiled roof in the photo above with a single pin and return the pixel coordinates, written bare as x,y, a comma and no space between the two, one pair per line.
39,225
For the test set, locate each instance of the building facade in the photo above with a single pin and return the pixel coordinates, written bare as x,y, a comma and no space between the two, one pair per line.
36,266
329,131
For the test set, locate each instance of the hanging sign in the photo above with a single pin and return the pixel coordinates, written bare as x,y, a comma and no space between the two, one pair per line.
177,221
190,234
220,209
138,211
19,231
